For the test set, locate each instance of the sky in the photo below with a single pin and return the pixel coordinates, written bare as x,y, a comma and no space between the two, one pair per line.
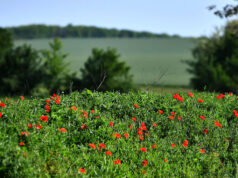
182,17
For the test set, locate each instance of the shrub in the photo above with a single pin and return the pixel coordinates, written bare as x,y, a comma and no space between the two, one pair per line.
103,71
216,61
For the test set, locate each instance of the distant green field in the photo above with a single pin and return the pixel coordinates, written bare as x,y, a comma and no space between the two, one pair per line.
152,61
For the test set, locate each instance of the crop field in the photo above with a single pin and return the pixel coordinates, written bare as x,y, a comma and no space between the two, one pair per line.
92,134
152,61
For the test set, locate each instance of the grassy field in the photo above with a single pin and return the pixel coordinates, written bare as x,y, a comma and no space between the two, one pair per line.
152,61
93,134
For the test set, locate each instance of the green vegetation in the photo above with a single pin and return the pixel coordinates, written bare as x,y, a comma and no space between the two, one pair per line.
152,61
44,31
104,72
95,134
216,61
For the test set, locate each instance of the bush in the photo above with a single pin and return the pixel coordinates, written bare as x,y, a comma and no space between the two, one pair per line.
103,71
216,61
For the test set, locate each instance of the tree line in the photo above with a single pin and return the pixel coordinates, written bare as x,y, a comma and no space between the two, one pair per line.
70,31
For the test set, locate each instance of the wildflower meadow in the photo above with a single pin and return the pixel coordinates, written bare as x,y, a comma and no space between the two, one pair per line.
92,134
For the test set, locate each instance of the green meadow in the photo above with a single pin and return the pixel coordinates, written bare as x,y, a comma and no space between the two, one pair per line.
152,61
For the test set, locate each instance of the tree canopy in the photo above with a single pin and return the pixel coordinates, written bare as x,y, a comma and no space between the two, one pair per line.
227,11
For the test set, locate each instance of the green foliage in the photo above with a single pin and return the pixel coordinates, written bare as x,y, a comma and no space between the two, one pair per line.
5,42
104,72
48,152
44,31
216,61
27,71
21,70
57,76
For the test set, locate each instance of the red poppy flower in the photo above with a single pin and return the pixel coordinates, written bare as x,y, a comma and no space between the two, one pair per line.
202,151
133,118
161,112
24,133
222,95
175,96
225,139
236,115
47,107
217,124
143,149
136,106
2,105
92,145
130,126
235,111
85,114
200,100
230,94
22,97
83,126
143,172
180,98
102,145
29,125
141,138
117,135
47,101
57,101
108,153
144,163
38,127
172,113
185,143
111,124
165,160
92,111
173,145
143,126
153,146
179,118
190,94
205,131
140,132
0,114
21,144
47,111
202,117
97,117
118,161
82,170
171,117
62,130
154,124
126,135
218,97
44,118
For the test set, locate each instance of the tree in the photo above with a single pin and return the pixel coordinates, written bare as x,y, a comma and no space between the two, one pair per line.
21,71
57,75
6,42
103,71
227,11
216,61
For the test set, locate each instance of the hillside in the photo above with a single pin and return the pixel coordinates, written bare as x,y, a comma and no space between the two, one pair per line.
70,31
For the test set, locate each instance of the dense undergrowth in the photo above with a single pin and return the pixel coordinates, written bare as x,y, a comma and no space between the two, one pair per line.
116,135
